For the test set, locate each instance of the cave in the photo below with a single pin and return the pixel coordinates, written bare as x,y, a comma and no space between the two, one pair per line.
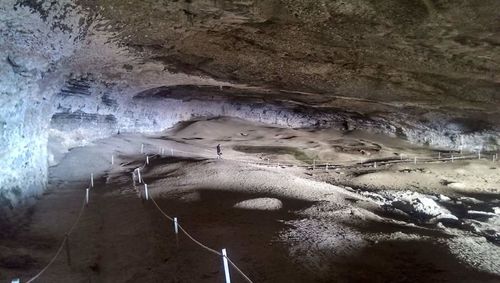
249,141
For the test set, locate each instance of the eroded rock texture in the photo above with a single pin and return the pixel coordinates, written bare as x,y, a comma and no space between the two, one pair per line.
424,70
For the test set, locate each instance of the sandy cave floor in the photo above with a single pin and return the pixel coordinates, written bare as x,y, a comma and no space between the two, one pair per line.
404,222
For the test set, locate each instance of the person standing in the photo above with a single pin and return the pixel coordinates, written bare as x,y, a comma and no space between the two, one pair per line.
219,152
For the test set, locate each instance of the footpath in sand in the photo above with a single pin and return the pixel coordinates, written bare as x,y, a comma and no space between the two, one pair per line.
401,222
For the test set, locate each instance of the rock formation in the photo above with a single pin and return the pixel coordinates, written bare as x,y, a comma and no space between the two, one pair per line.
75,71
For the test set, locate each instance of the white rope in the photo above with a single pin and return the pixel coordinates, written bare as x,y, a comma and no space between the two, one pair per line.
61,246
201,244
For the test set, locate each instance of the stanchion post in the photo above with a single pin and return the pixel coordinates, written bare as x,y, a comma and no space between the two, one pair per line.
112,159
91,180
314,164
87,192
439,155
374,164
452,158
479,154
326,167
172,151
146,194
142,148
415,160
147,159
139,175
226,266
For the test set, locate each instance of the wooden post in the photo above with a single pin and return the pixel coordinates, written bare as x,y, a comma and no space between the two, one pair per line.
68,254
226,266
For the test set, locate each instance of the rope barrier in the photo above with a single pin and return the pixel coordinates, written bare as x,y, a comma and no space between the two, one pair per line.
201,244
326,164
59,250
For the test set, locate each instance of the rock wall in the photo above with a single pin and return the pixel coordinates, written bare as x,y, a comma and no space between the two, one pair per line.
33,39
67,71
82,118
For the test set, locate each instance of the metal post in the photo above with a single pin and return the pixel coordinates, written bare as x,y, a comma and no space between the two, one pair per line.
87,196
375,164
226,266
439,155
415,160
112,159
479,154
176,230
162,151
146,195
139,175
147,159
452,158
91,180
314,164
326,167
142,148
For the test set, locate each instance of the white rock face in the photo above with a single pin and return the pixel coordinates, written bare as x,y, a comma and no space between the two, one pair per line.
29,51
260,204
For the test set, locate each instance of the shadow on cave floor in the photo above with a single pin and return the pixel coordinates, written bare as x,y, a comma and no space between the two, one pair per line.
405,261
249,235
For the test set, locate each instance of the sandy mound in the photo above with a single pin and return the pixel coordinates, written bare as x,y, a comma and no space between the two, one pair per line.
260,204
